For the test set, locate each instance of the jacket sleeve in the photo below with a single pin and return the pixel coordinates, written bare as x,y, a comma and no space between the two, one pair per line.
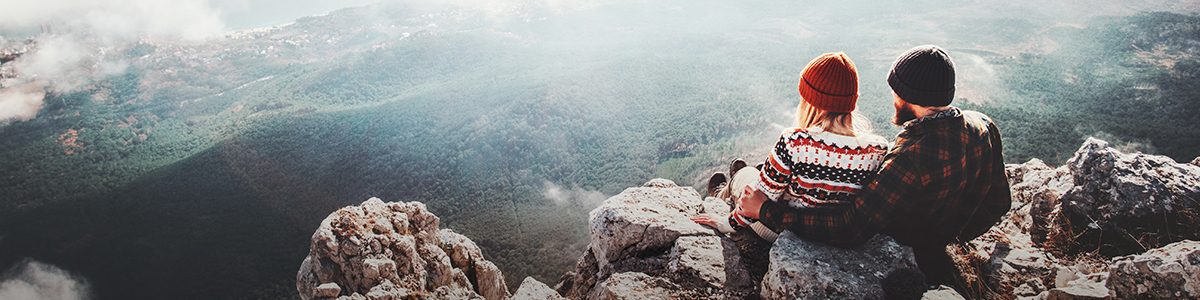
872,209
999,198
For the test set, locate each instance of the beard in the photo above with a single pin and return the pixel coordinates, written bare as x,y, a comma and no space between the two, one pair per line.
904,113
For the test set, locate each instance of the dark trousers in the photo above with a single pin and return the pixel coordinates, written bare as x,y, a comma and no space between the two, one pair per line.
939,268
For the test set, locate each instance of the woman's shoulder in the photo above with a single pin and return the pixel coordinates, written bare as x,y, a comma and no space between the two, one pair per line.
874,140
859,141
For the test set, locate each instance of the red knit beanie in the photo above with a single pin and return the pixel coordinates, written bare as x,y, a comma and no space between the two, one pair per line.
830,83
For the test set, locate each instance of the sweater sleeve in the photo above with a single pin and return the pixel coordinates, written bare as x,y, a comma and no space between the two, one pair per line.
776,171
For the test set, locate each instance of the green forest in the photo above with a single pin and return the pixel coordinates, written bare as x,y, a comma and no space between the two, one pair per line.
209,184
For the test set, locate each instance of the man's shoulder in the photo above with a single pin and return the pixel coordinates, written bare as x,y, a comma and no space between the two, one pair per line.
980,124
977,118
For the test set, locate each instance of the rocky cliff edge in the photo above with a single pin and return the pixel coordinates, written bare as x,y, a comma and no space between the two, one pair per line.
1105,225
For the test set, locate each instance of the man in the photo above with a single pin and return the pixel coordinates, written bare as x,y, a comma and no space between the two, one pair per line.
942,183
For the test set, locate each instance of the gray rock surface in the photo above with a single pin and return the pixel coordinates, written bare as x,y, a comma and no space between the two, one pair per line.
808,270
645,234
531,289
635,286
1170,272
1073,283
1045,247
942,293
1124,203
644,218
394,250
1008,258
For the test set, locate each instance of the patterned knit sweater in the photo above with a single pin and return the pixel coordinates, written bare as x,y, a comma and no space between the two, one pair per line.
812,167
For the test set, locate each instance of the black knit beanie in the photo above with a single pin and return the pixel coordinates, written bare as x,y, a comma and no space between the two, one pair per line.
923,75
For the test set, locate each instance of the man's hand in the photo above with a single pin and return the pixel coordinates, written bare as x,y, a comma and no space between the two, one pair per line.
751,202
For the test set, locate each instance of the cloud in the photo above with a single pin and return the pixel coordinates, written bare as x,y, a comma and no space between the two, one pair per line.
117,20
78,42
20,103
32,280
567,196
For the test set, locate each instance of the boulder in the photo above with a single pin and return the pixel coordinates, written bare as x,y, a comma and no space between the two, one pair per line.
635,286
531,289
1098,200
1170,272
645,234
394,250
810,270
644,218
1074,283
942,293
1124,203
699,257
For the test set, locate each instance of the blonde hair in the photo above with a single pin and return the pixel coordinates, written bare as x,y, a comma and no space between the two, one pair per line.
850,124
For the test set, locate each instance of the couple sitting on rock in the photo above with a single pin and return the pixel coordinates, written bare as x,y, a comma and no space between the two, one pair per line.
830,180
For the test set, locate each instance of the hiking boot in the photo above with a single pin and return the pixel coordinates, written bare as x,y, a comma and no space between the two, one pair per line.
716,182
735,165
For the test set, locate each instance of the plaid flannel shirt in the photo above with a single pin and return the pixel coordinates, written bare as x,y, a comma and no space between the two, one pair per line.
942,182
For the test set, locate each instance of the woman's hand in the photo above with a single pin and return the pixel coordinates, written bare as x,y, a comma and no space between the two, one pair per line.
723,227
751,202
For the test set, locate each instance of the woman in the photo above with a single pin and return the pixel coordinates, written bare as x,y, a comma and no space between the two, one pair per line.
823,161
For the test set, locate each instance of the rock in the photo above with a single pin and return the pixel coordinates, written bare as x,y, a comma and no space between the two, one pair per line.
388,291
634,285
577,283
1124,203
1036,189
489,281
699,257
1051,224
1196,161
380,250
811,270
942,293
1169,272
645,233
462,251
327,290
531,289
1071,283
644,218
465,255
1006,260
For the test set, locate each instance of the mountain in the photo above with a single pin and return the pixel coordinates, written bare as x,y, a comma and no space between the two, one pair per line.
201,169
